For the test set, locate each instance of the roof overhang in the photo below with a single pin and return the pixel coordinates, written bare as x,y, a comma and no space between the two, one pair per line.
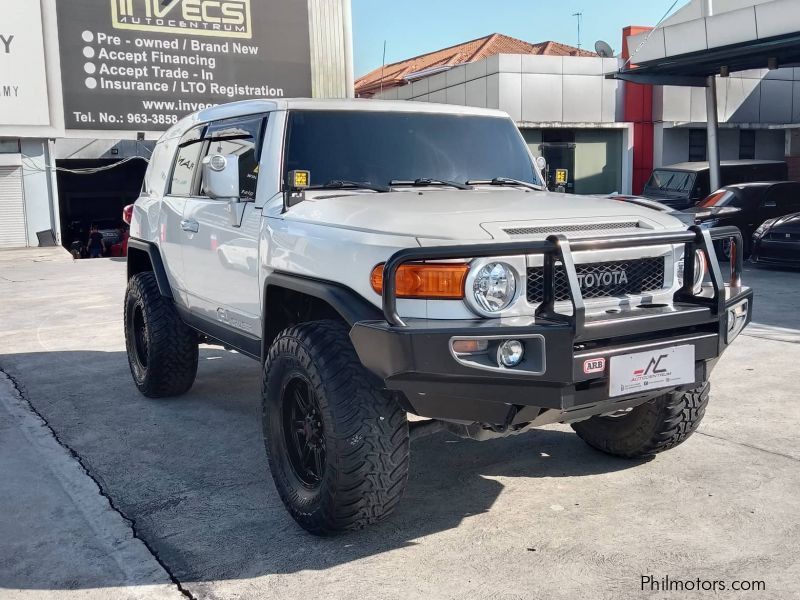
694,68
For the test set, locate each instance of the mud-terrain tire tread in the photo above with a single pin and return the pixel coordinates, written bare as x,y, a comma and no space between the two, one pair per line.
650,428
172,345
366,431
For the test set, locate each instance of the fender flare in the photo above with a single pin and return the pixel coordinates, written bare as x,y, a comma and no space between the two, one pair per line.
156,263
351,306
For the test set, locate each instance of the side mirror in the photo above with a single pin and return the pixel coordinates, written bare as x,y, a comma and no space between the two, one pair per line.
541,162
221,176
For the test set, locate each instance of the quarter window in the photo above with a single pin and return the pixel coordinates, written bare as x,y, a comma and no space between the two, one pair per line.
187,161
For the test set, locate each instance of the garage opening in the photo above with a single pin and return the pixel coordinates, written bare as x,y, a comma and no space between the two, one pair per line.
94,192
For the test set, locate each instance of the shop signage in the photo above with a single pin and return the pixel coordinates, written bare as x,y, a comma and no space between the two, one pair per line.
140,65
23,78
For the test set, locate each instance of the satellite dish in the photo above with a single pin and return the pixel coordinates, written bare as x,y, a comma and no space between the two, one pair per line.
603,49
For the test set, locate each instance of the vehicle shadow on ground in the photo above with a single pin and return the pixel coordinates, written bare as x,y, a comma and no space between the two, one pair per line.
192,476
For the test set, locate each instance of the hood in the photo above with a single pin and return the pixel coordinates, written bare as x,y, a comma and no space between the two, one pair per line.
434,215
786,224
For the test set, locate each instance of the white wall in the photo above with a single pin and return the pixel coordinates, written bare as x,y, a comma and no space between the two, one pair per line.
733,22
672,144
331,48
534,90
755,97
41,203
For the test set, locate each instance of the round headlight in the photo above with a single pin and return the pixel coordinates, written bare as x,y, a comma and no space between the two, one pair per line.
700,268
494,287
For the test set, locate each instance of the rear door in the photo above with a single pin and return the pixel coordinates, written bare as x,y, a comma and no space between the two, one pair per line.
220,254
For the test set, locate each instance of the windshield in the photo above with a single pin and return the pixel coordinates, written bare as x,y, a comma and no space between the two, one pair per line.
671,181
379,147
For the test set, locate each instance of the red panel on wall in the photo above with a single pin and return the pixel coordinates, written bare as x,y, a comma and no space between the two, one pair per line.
639,111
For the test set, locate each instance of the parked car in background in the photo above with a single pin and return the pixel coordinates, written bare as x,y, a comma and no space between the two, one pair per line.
747,206
777,241
683,185
111,230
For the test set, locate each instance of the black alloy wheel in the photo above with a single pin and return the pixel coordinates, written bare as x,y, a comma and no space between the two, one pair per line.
139,330
303,431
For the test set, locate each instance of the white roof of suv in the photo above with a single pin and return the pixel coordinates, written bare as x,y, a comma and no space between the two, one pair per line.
249,107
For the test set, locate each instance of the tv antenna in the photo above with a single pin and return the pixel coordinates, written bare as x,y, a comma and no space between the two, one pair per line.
579,15
383,66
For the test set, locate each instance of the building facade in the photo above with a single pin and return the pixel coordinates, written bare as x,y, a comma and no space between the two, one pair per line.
610,134
567,110
88,85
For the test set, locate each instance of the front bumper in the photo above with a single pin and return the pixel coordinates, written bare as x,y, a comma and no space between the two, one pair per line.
415,357
417,361
778,253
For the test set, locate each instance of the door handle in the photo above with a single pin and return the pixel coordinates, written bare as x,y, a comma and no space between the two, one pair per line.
190,225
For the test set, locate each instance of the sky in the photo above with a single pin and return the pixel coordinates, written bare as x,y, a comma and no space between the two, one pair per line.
413,27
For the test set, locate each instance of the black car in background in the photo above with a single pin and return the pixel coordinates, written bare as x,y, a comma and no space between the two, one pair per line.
683,185
777,242
747,206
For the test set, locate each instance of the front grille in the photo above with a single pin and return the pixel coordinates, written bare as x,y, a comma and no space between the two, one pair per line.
567,228
601,280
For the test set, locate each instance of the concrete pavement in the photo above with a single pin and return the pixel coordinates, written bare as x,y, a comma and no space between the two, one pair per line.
536,516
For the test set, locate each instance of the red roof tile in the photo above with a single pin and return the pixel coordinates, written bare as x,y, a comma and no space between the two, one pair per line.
395,74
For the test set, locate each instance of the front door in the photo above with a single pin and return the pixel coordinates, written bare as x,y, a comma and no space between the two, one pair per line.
220,255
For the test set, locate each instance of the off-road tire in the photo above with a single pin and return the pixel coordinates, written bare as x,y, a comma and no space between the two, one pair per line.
649,428
364,431
162,349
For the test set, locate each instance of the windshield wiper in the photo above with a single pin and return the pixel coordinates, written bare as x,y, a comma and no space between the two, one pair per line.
338,184
425,181
506,181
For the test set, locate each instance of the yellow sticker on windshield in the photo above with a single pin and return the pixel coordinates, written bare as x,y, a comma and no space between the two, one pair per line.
561,176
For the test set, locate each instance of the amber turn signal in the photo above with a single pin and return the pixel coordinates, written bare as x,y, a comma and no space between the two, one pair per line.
439,281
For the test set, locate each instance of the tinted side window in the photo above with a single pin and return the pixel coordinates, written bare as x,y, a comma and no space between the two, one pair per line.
187,162
157,170
240,137
786,197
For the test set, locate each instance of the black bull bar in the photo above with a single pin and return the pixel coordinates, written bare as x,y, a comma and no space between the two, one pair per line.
558,248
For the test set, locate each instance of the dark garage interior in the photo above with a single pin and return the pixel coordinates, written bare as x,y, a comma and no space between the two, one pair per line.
96,197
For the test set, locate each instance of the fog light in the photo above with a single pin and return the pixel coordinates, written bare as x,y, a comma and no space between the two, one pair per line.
510,352
737,318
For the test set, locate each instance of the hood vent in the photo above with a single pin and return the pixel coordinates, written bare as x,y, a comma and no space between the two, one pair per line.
567,228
